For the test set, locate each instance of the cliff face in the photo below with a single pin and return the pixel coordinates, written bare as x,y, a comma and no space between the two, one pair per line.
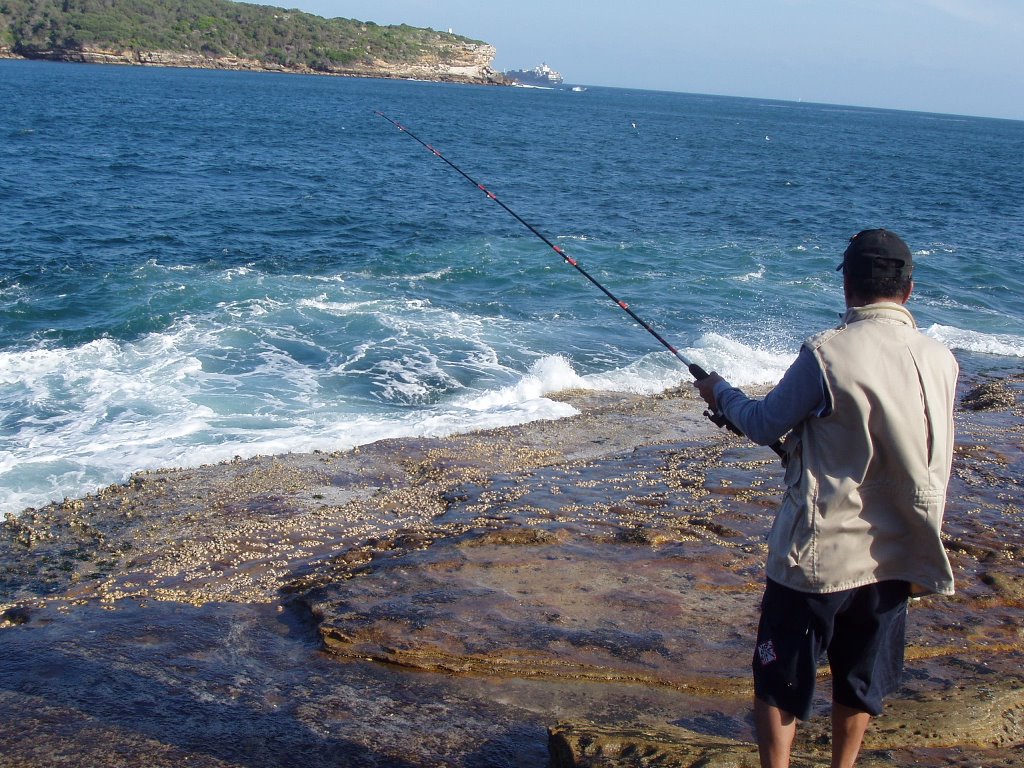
225,34
465,62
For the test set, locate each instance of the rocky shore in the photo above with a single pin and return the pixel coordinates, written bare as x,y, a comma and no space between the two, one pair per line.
579,592
465,62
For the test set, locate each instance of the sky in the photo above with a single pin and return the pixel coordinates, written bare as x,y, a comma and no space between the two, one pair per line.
961,57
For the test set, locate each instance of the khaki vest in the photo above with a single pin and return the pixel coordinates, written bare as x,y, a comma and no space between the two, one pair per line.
866,484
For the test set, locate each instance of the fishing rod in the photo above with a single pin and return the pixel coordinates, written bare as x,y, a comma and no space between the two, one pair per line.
716,416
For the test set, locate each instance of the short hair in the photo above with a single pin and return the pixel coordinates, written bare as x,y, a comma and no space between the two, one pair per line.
872,289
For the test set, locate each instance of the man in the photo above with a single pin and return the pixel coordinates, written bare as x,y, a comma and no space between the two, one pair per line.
868,408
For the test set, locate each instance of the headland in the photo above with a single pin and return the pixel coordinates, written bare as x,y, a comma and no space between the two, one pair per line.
219,34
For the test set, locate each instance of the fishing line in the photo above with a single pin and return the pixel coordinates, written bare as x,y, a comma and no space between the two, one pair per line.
698,373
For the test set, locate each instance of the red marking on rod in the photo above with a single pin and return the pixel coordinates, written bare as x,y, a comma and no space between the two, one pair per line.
558,249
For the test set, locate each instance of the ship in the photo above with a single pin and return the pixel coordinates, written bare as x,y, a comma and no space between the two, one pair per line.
538,77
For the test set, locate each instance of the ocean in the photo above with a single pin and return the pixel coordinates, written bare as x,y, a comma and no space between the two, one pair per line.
197,265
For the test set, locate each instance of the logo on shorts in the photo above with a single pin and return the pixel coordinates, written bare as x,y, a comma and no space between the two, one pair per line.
766,653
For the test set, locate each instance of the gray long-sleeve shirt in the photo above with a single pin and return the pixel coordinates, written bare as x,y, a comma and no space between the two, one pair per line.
800,394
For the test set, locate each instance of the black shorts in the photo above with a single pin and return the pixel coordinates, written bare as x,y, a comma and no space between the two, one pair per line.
862,630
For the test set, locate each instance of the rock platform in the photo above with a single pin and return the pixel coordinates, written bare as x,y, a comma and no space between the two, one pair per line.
580,592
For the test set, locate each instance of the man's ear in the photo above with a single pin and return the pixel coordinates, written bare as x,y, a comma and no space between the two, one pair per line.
906,294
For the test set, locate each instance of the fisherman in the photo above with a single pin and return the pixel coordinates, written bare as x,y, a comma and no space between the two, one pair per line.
868,408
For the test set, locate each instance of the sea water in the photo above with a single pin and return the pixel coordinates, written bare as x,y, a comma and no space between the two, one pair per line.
198,265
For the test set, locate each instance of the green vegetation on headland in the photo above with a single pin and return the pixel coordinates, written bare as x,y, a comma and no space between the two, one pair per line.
225,34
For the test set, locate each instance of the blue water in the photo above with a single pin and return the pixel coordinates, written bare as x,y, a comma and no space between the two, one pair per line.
196,265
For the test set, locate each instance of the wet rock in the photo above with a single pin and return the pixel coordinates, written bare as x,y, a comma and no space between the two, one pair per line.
600,573
565,607
14,616
989,396
575,745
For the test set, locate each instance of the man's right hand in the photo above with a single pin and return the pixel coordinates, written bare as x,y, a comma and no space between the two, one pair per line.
706,387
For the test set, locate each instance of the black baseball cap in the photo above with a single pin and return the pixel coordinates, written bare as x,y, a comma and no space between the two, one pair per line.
877,253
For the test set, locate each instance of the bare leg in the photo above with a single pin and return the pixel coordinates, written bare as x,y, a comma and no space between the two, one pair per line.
775,731
848,728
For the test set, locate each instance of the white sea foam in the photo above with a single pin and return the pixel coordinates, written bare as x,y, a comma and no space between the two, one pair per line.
339,308
1004,344
145,405
438,274
87,416
740,363
208,390
549,374
235,272
95,446
202,392
649,375
757,274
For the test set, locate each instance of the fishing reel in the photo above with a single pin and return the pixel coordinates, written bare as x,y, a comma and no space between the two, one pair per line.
718,418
